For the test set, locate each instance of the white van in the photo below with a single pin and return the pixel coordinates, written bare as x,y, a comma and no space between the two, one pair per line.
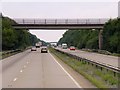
64,46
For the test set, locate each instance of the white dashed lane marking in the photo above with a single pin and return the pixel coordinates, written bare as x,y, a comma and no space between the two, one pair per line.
21,71
24,66
15,79
27,62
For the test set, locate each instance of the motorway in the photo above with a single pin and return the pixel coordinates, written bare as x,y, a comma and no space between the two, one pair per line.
35,70
107,60
41,70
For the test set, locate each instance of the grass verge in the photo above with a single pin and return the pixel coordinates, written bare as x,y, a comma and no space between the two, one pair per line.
9,54
102,79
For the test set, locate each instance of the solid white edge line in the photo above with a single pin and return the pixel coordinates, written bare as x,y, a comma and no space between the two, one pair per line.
66,72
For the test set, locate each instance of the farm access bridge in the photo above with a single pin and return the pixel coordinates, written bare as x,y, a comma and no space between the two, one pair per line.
88,24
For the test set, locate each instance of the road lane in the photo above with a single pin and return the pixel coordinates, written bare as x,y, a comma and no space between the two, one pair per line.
10,61
11,67
105,59
42,71
67,72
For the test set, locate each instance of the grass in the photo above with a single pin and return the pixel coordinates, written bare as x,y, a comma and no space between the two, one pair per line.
3,54
102,79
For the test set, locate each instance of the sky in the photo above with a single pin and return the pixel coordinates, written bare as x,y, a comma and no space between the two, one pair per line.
119,9
48,35
58,9
60,0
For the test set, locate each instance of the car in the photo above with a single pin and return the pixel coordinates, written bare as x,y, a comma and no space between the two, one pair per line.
44,50
33,49
72,48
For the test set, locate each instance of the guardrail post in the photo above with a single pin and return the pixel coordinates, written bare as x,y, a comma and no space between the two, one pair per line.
96,66
80,60
114,74
92,64
101,68
85,62
107,70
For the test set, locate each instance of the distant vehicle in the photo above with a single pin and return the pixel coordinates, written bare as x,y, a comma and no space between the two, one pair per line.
72,48
59,46
64,46
38,45
33,49
53,45
44,50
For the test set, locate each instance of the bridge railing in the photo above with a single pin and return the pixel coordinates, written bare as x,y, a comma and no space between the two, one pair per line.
61,21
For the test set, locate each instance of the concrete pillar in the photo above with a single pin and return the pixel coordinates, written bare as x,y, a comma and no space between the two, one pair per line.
100,39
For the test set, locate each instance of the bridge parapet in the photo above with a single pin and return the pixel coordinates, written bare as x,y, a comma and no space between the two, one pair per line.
61,21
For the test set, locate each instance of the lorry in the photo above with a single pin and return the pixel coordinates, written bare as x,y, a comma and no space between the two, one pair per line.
38,44
64,46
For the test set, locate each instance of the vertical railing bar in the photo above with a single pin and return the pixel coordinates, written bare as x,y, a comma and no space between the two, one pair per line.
99,21
66,22
34,21
86,21
55,21
23,21
45,21
77,21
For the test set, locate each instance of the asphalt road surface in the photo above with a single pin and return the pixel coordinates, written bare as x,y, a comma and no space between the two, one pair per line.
35,70
100,58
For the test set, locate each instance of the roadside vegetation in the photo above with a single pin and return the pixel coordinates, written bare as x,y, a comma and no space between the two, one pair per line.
102,79
15,38
6,54
88,39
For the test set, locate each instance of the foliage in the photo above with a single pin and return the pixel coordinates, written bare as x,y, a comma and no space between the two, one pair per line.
102,79
89,38
80,38
15,38
111,36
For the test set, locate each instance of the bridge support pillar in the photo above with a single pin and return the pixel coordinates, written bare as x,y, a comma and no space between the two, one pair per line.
100,39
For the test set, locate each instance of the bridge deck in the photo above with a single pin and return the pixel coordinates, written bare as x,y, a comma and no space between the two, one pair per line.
60,23
59,26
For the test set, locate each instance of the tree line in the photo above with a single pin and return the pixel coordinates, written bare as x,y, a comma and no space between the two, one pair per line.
15,38
89,38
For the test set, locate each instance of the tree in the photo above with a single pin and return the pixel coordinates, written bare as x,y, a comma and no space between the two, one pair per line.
15,38
89,39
